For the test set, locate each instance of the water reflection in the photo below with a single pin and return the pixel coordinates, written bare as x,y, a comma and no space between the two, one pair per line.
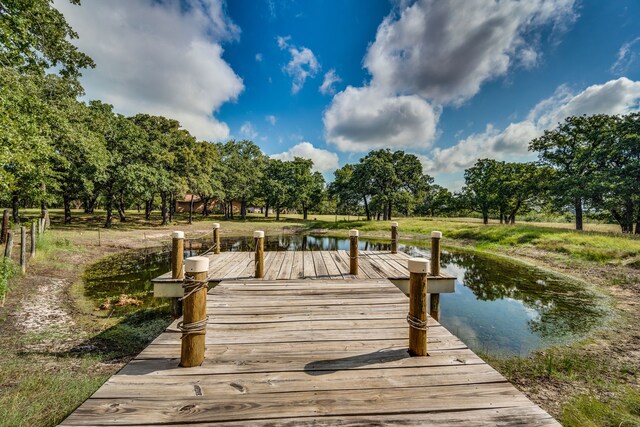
498,307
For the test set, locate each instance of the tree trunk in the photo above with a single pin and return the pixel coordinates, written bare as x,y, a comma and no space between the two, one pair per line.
578,207
231,209
389,212
148,205
266,210
172,206
90,204
378,216
14,208
366,208
501,217
305,212
163,208
123,217
243,209
66,201
205,205
191,210
485,216
628,216
277,213
108,204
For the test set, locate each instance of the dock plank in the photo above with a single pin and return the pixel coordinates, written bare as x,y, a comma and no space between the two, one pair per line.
308,352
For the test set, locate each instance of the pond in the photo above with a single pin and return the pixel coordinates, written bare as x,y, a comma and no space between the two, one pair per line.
498,307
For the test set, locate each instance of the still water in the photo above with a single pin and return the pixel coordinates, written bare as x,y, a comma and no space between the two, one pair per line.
498,307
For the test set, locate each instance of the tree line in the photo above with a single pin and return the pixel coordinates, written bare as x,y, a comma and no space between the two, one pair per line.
56,150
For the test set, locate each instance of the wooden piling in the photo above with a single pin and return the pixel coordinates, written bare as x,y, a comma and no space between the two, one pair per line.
353,252
394,237
195,312
258,237
34,238
5,226
435,252
9,245
216,238
177,267
434,299
23,249
417,317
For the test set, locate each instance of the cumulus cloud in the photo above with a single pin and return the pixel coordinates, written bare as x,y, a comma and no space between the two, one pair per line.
303,64
619,96
428,54
258,57
271,119
330,79
444,51
159,58
361,119
248,131
323,160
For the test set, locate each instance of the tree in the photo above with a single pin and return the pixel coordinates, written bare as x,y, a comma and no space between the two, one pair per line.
34,37
570,151
437,200
344,190
243,174
481,181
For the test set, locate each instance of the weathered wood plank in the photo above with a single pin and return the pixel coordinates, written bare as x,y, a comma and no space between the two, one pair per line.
321,352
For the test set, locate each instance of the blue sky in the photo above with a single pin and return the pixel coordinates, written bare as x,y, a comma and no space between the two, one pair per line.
451,81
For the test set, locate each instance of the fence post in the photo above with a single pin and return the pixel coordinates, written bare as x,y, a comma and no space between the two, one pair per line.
47,220
434,299
394,237
417,317
258,237
34,238
5,226
194,324
353,252
177,267
216,238
23,249
9,245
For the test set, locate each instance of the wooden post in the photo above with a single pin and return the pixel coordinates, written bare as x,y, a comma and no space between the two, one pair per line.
5,226
434,299
394,237
40,226
353,252
177,268
417,316
216,238
258,237
47,220
195,313
23,249
9,245
34,238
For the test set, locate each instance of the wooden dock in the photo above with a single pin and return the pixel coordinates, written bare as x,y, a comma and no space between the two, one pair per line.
309,352
286,265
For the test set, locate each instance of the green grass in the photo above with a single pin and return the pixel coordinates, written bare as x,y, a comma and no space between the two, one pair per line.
8,269
620,410
587,246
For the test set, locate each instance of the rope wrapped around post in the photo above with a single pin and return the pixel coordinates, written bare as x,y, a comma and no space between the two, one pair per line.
415,323
194,323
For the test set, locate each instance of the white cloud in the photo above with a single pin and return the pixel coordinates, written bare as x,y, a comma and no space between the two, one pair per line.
431,53
330,78
303,64
158,58
445,50
361,119
248,131
627,55
258,57
619,96
271,119
323,160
